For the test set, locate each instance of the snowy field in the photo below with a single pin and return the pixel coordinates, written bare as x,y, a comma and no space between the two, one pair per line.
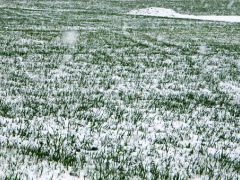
89,91
169,13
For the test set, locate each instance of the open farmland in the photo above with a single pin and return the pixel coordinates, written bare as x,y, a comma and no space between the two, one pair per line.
87,91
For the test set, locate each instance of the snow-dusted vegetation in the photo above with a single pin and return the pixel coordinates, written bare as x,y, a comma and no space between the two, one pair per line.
88,91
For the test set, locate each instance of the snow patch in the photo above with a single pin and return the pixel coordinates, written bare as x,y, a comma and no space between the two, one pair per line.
169,13
70,38
179,124
212,151
203,49
235,153
67,57
29,41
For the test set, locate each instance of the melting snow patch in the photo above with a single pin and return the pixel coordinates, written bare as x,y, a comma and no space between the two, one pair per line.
169,13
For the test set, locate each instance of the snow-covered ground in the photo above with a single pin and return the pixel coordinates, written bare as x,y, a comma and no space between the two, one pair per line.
88,92
169,13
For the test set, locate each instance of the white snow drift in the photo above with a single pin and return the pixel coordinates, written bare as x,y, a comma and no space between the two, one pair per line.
169,13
